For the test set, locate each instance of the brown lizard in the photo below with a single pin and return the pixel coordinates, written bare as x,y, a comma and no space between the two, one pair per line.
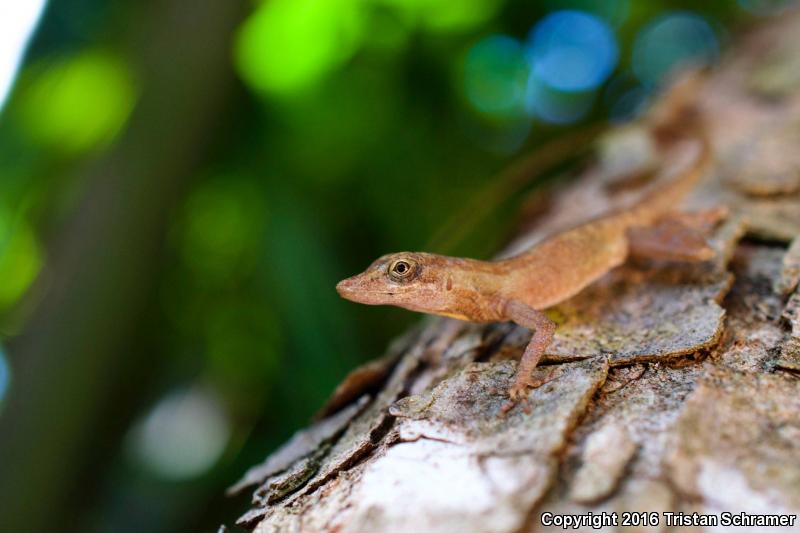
521,287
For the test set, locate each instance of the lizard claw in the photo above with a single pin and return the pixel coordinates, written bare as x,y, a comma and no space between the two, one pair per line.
517,393
521,388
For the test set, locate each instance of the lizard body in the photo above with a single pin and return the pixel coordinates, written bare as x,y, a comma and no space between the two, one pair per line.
521,287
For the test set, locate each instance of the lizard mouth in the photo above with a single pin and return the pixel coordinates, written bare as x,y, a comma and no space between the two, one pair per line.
352,289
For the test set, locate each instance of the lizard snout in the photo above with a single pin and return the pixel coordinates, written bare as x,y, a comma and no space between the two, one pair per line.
362,289
347,288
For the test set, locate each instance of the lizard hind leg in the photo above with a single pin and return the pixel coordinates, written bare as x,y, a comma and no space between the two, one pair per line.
676,236
704,220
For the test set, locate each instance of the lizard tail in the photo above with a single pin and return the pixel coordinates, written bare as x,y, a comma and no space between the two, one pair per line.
679,132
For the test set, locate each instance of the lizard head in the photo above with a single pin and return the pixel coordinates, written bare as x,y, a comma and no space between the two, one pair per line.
414,281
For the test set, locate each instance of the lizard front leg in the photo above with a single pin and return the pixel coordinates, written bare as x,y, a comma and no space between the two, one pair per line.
543,329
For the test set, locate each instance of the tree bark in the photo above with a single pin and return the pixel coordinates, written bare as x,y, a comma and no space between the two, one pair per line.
679,387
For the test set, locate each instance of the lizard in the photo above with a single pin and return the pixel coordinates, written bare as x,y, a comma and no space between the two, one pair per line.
522,287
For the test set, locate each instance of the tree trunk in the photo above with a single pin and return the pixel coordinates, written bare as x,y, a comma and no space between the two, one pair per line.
677,387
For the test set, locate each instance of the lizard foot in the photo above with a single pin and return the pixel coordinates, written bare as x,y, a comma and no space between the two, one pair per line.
523,385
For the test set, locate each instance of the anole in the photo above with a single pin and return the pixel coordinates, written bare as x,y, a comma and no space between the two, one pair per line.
520,288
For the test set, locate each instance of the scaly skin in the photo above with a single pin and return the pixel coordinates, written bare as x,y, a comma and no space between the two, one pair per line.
520,288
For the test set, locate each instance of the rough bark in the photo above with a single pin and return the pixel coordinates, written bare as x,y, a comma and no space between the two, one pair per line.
679,385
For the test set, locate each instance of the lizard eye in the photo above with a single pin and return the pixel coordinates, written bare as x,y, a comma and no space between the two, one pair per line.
401,270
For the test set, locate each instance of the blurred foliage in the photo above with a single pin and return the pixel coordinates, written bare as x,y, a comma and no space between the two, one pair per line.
20,259
362,127
74,103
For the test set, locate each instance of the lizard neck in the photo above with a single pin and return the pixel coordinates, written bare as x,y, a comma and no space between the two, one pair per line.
472,289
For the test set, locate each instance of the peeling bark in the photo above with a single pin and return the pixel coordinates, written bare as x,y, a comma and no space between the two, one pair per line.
677,386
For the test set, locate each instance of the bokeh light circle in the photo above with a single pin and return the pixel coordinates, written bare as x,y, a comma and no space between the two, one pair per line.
556,107
670,42
288,45
494,75
77,102
183,436
20,257
615,12
5,375
766,7
572,50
